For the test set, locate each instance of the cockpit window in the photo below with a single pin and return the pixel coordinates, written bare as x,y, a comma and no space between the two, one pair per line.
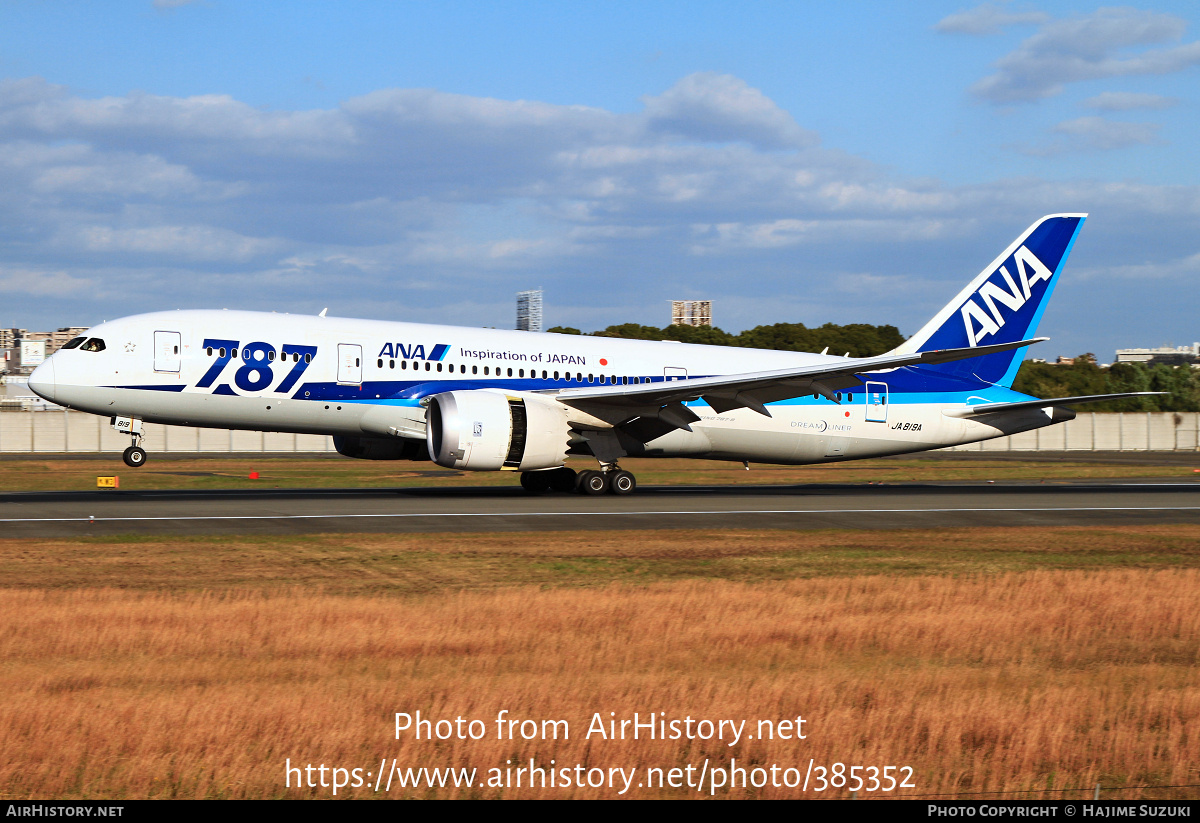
95,344
73,342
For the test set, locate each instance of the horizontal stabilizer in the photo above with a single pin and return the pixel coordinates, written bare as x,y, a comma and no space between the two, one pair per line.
997,408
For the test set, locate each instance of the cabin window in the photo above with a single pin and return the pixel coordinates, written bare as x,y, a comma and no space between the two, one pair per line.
556,375
95,344
75,341
379,363
208,351
439,366
428,366
591,379
543,374
270,355
521,372
487,370
308,358
391,364
837,395
510,372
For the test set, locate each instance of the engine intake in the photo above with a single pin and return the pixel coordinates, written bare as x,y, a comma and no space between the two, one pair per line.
481,430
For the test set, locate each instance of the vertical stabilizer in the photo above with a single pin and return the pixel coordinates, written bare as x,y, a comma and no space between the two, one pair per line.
1003,304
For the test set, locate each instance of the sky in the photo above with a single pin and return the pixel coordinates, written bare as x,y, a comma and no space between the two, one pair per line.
421,161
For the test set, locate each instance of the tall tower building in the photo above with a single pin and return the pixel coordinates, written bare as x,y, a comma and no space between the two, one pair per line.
529,310
691,312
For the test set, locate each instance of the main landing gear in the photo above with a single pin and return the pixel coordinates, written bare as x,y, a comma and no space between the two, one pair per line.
612,479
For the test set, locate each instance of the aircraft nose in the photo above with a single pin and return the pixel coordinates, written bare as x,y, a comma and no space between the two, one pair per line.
42,380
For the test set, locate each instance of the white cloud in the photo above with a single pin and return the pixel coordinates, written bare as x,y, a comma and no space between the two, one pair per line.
1096,134
405,203
1128,101
722,108
988,18
44,283
1185,269
193,243
1089,47
738,237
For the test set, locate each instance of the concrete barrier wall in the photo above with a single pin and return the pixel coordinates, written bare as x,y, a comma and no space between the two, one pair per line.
1119,431
25,432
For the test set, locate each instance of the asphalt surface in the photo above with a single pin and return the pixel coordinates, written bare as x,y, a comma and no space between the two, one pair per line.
291,511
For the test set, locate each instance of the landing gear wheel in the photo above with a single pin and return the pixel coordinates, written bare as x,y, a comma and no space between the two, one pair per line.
592,483
621,482
536,482
562,480
134,457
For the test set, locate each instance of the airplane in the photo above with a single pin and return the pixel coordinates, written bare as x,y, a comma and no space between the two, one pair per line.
493,400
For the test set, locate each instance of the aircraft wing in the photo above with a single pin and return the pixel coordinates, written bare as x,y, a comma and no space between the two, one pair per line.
752,390
995,408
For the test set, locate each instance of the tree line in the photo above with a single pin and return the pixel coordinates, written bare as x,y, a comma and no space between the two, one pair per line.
1085,377
1045,380
857,339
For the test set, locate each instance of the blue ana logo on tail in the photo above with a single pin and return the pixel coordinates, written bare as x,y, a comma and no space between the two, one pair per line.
980,324
1003,304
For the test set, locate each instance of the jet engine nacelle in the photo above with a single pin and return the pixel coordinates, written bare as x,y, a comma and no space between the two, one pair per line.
380,448
482,430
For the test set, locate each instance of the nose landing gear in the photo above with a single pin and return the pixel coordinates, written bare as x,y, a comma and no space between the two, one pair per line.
134,456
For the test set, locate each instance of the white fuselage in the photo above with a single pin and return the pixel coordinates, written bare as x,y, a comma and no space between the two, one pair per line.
337,376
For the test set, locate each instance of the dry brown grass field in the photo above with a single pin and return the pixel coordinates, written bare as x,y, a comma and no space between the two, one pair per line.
68,473
1007,660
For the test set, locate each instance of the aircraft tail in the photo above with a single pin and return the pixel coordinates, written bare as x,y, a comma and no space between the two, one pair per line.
1003,304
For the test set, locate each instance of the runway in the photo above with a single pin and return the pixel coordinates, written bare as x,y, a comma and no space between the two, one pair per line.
1082,503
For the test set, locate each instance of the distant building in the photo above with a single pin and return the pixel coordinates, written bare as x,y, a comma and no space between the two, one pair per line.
21,350
529,310
691,312
1163,354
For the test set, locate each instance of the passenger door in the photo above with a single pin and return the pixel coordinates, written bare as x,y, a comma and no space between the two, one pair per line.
349,363
166,351
877,402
